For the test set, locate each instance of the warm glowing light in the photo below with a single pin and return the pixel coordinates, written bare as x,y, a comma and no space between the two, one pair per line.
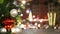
15,30
54,27
3,30
27,11
19,10
30,16
23,1
33,16
39,25
45,19
35,19
22,5
35,23
22,26
21,14
49,19
30,19
54,19
41,20
19,24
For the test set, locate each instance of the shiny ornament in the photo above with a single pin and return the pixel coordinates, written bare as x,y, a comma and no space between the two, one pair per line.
13,12
8,23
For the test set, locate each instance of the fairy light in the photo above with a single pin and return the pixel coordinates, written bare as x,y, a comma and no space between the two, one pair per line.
23,1
54,19
49,19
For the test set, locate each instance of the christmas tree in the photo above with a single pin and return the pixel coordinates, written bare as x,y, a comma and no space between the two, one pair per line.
6,6
10,13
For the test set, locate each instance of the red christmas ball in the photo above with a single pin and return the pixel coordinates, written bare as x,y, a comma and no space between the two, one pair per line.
8,23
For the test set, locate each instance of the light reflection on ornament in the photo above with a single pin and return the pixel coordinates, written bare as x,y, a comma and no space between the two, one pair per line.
13,13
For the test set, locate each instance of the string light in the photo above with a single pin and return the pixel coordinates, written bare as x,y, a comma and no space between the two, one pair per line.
23,1
54,19
3,30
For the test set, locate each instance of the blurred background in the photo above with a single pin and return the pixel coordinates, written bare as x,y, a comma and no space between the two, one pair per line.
20,16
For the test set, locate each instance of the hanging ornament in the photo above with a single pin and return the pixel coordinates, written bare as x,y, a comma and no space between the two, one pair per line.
13,13
8,23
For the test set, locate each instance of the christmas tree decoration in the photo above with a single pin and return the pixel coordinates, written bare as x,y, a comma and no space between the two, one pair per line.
30,18
27,11
8,23
23,1
8,8
52,18
19,10
16,30
19,19
13,13
22,6
34,16
21,15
